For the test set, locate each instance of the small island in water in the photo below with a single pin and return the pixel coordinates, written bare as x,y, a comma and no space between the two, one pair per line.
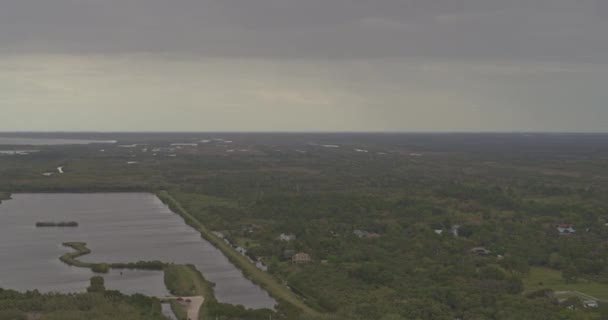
71,224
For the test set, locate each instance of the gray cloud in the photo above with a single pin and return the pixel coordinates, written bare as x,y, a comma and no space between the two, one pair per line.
560,30
304,65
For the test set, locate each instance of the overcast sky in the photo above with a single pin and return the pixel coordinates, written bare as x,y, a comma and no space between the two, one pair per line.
304,65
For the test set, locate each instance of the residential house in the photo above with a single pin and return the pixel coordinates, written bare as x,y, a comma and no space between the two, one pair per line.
565,229
287,237
362,234
250,228
219,234
301,258
455,229
373,235
480,251
590,304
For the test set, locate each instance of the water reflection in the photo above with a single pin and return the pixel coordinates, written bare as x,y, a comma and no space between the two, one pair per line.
48,141
123,227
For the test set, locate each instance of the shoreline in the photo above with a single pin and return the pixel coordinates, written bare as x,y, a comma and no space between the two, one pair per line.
279,292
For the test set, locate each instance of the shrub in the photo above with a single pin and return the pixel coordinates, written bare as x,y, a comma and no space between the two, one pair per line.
101,268
97,284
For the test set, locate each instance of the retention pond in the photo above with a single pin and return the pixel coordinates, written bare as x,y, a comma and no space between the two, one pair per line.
117,227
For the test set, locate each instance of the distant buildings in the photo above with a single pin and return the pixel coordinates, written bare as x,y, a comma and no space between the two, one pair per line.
184,144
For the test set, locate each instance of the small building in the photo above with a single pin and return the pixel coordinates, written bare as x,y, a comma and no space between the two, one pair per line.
219,234
455,229
372,235
287,237
480,251
301,258
565,229
261,265
250,228
590,304
438,231
362,234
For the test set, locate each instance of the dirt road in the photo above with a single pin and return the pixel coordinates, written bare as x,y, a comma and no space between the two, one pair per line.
193,307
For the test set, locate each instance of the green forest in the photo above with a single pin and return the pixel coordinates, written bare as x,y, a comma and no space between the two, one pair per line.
418,227
95,305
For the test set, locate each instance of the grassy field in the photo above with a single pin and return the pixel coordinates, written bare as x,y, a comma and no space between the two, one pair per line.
185,280
4,196
552,279
277,290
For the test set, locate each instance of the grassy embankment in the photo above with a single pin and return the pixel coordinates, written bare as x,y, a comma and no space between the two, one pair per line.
552,279
4,196
185,281
263,279
71,258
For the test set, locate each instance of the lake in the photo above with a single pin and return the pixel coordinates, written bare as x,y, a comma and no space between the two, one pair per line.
49,141
117,227
17,152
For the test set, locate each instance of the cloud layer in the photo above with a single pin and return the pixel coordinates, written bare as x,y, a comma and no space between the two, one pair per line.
387,65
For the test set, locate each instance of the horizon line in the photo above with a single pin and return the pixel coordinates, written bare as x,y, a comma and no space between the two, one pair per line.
310,132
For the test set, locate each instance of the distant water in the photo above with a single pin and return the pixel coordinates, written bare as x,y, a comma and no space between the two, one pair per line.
17,152
118,227
48,142
168,312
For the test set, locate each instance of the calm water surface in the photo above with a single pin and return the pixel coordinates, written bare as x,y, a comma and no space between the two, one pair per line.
47,141
118,227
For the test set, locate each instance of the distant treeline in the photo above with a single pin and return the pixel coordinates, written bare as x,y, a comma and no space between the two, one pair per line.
57,224
96,304
4,196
